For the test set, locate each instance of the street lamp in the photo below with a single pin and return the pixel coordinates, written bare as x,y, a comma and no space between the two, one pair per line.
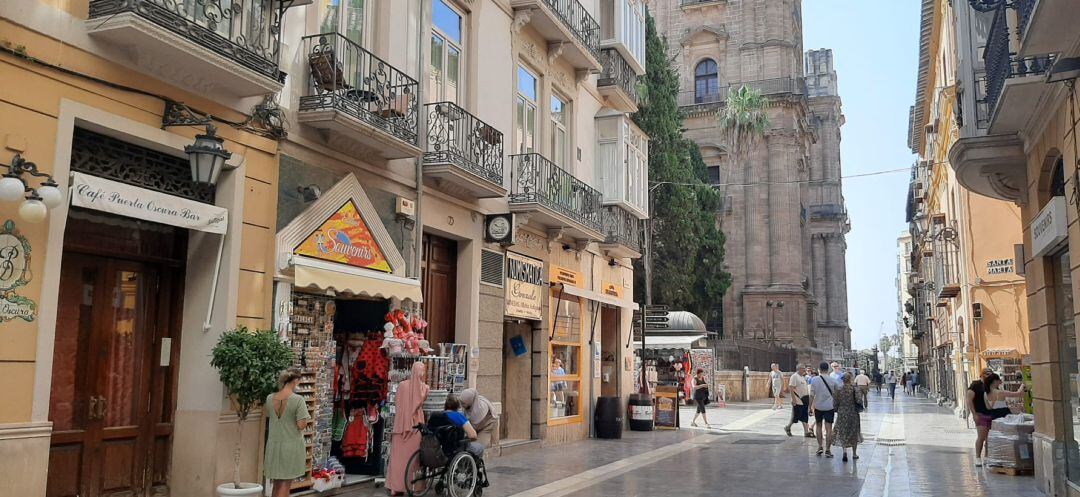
36,202
207,156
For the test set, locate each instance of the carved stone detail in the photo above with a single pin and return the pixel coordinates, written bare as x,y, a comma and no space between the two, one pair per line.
554,51
521,18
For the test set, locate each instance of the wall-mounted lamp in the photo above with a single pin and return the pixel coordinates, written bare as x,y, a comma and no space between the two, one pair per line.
36,202
208,156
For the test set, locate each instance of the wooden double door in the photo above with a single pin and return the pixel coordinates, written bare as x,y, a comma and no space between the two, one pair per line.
113,383
439,280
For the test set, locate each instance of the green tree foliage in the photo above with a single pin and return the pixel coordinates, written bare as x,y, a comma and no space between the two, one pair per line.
688,248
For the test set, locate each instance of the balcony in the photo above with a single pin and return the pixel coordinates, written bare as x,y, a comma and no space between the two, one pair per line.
622,27
555,199
568,28
622,162
692,101
622,233
1014,84
203,46
946,267
1046,26
618,82
364,105
464,155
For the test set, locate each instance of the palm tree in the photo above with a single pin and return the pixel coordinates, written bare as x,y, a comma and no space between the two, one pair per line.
744,120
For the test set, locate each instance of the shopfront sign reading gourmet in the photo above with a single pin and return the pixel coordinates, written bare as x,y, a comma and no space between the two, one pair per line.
126,200
345,238
524,286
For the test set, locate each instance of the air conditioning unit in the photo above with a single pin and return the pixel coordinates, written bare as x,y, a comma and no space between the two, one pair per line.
977,310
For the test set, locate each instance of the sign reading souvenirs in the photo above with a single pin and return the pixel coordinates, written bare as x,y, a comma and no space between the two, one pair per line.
566,276
345,238
14,272
524,286
1048,229
999,266
126,200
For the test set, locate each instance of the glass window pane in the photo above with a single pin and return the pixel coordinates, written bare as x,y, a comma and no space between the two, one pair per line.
526,83
530,127
453,71
1063,307
558,110
447,20
564,360
565,399
354,20
558,145
122,339
330,18
519,123
437,66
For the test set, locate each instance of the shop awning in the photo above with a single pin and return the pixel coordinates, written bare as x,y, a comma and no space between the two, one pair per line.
669,341
313,273
599,297
1000,353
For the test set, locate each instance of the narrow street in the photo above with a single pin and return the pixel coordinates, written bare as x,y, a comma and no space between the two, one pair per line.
912,448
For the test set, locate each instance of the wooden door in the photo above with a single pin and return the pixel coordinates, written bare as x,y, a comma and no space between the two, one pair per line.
516,419
440,288
111,397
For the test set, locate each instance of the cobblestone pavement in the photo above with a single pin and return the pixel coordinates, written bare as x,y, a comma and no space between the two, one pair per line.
912,447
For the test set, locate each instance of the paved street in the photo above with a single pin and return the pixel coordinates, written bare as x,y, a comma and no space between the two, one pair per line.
912,448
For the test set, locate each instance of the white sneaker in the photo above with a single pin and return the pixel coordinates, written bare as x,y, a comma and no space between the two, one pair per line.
978,462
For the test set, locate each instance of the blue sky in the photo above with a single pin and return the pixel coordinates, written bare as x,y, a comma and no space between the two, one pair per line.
875,46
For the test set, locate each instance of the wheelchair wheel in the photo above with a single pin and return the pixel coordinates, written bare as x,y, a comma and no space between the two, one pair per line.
461,475
418,479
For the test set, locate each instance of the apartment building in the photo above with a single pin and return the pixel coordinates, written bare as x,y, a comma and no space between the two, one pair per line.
470,162
909,353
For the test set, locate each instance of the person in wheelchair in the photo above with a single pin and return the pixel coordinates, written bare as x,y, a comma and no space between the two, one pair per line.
455,432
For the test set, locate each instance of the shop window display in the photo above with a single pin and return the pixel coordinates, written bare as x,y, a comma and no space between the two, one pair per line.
1063,307
565,353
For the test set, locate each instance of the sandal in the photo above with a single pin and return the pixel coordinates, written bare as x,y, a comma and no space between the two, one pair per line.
828,454
811,435
820,451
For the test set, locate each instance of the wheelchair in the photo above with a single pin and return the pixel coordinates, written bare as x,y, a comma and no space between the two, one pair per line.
462,475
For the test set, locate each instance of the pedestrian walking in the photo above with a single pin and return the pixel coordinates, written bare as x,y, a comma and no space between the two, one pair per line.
799,392
890,381
975,397
285,457
776,379
824,409
836,373
878,379
848,425
701,396
862,383
914,382
404,439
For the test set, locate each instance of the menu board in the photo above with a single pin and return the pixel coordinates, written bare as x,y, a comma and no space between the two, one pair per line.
667,407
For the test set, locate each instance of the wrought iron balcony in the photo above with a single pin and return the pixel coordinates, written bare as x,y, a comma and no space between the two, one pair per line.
209,45
695,3
708,100
622,232
1046,26
563,22
359,97
464,155
1013,83
555,198
618,82
1024,8
825,212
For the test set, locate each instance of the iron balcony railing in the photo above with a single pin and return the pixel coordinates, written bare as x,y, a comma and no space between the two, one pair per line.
345,77
687,3
622,228
245,31
579,22
827,211
617,72
457,137
1024,8
1001,63
538,180
775,86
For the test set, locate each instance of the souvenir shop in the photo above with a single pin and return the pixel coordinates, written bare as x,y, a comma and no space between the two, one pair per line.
670,361
353,319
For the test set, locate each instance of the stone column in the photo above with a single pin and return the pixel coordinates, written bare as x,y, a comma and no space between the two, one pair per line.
785,226
836,277
821,270
757,243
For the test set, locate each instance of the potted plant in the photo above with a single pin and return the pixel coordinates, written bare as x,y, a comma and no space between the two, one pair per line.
248,364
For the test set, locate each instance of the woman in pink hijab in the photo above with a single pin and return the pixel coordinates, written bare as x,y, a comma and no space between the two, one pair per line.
404,439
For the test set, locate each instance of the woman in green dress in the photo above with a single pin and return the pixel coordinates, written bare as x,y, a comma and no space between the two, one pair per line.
286,458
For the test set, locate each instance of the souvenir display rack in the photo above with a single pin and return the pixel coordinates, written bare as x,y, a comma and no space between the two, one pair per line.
310,332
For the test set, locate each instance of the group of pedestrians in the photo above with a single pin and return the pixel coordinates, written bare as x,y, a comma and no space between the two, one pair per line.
834,398
909,380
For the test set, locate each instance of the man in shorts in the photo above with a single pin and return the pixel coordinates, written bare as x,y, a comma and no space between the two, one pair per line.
862,382
799,391
824,408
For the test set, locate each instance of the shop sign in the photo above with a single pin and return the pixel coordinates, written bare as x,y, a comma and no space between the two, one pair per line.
999,266
612,290
566,276
14,306
1049,228
345,238
122,199
524,286
14,258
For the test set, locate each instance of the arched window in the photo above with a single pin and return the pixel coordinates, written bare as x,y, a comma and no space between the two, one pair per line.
1057,180
706,82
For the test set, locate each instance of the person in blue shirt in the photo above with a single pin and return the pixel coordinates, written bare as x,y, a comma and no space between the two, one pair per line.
452,408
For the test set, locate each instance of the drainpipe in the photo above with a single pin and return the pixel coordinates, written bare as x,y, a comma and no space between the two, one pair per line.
421,136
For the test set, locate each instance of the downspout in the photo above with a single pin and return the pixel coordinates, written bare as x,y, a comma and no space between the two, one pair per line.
421,137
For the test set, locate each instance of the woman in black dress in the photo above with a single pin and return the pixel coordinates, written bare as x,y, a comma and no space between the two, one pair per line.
701,396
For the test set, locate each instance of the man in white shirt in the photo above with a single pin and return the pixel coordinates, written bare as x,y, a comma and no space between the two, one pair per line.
890,380
799,390
824,408
836,373
863,383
